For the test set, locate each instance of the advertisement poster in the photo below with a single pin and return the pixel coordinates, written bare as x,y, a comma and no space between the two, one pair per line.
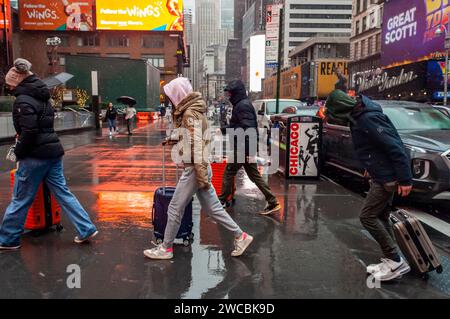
304,149
140,15
5,18
409,31
327,76
56,15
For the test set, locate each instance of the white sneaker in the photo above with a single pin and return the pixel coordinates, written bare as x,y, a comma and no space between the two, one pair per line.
80,241
391,270
241,244
159,253
9,248
371,269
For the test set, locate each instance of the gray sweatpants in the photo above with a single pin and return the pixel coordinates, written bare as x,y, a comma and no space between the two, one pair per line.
186,188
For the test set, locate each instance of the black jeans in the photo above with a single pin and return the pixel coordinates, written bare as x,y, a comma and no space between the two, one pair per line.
254,175
130,126
375,217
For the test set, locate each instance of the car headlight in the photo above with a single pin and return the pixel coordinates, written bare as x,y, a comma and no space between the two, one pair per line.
421,168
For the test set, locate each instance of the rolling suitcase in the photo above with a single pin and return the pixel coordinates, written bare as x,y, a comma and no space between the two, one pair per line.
218,170
45,211
415,243
161,201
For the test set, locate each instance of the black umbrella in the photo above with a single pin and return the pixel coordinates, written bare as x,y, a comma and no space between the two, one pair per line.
127,100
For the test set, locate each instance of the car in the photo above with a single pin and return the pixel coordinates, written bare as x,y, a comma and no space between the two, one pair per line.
443,109
266,108
425,132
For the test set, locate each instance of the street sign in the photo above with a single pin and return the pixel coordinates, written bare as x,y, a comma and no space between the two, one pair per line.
272,35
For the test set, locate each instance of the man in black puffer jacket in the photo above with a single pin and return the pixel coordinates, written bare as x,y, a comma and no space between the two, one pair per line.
244,118
39,154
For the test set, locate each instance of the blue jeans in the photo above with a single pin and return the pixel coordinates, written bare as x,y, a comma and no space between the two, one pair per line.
112,125
31,173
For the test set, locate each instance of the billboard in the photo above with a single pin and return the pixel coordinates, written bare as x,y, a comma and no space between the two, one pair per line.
409,31
326,76
140,15
56,15
5,18
257,62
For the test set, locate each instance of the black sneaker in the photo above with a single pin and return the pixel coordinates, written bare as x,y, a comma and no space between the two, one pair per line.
271,208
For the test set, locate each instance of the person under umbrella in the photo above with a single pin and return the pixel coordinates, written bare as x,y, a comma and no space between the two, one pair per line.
130,111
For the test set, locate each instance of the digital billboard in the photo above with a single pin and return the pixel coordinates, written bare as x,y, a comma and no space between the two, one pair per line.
56,15
409,31
5,18
140,15
257,62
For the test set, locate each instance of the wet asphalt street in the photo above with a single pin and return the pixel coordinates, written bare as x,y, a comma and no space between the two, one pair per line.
315,247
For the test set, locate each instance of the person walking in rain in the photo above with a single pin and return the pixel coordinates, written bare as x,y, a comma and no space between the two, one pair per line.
39,154
130,114
190,110
380,150
244,117
111,117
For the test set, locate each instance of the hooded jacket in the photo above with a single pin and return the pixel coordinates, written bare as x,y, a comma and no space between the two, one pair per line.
189,113
33,118
244,117
244,114
378,144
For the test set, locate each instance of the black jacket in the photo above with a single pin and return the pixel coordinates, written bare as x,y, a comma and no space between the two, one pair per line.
33,118
111,114
243,117
244,114
378,145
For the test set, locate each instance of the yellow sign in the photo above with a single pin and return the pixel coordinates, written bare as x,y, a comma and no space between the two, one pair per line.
327,77
140,15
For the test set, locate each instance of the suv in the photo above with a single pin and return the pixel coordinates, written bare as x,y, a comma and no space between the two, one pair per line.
425,132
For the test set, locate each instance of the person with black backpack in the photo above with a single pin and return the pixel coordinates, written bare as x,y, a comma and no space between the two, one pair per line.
39,154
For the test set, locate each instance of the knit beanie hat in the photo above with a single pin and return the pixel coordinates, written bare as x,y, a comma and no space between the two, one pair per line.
18,73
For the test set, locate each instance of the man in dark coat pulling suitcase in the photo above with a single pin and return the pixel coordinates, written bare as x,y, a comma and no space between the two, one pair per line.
382,153
39,153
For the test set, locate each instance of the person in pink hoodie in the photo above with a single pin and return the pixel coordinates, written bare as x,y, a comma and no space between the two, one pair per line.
190,121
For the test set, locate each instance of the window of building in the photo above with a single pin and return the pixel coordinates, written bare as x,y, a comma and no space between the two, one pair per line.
357,53
320,16
152,42
118,41
363,48
372,21
157,61
357,28
364,24
378,43
65,41
322,25
369,46
88,41
358,6
365,3
118,55
321,7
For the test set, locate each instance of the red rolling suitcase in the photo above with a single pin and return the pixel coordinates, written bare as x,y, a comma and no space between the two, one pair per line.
45,212
415,243
218,170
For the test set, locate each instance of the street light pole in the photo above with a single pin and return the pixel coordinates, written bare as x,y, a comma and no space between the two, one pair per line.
446,73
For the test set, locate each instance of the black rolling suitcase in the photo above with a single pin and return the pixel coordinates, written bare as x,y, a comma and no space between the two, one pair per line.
161,201
415,243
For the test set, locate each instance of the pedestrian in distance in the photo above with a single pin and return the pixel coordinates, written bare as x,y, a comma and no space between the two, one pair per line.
39,154
244,117
111,117
130,114
382,154
190,109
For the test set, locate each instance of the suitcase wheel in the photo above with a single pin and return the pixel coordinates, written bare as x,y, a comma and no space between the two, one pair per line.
186,242
440,270
59,228
159,241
